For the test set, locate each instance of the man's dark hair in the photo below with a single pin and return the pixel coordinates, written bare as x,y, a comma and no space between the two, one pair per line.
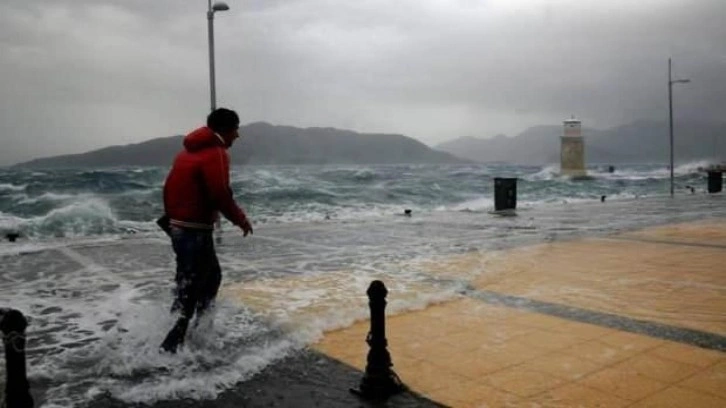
223,120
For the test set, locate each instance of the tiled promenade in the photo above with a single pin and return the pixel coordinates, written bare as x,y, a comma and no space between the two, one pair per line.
630,320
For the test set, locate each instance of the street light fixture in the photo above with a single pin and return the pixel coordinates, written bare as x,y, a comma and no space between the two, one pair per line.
670,112
211,9
218,6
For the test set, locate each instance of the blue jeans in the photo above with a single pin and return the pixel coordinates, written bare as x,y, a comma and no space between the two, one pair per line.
198,274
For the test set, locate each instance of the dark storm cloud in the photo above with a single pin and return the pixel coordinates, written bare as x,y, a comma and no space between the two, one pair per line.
80,74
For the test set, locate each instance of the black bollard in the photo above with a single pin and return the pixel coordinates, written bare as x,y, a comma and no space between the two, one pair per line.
379,381
17,388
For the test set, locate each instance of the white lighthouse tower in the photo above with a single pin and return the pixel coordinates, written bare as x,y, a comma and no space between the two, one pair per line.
572,150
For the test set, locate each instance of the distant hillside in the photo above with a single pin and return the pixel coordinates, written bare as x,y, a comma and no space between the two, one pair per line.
262,143
637,142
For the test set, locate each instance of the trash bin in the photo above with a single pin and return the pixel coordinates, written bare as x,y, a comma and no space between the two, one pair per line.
505,193
715,182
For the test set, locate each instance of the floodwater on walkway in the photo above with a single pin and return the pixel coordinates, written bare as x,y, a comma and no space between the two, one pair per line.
98,308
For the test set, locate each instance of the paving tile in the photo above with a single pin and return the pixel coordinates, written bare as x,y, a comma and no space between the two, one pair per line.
425,377
630,341
711,380
550,340
427,349
477,308
426,327
584,331
658,368
688,354
349,343
537,320
576,395
565,366
601,353
446,310
670,282
522,382
416,325
495,399
504,330
473,364
471,394
468,340
461,306
512,350
400,361
477,320
678,397
623,383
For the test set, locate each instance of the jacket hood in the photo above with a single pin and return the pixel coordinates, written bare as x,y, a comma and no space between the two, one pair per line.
202,138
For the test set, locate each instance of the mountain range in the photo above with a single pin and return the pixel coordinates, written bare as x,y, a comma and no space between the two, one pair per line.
637,142
263,143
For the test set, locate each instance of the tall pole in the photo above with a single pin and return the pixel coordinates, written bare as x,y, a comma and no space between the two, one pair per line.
212,82
670,117
210,30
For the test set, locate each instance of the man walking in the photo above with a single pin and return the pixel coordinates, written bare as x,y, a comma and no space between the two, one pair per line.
196,190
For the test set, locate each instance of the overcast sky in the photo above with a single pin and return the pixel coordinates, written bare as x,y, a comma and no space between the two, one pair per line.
79,74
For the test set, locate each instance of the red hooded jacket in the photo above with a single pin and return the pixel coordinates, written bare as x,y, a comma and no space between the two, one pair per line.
197,186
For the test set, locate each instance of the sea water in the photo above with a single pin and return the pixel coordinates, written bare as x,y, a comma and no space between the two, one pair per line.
94,274
96,202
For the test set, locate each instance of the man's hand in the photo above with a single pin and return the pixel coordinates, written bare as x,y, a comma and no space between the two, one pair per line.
246,227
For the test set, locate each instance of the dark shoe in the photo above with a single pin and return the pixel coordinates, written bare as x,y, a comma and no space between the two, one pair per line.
175,338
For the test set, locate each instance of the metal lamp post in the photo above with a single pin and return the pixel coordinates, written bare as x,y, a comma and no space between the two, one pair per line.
671,81
218,6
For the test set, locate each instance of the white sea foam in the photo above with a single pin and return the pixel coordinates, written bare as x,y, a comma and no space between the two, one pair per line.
692,167
547,173
632,172
11,187
477,204
487,204
123,361
314,212
645,172
54,197
84,216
